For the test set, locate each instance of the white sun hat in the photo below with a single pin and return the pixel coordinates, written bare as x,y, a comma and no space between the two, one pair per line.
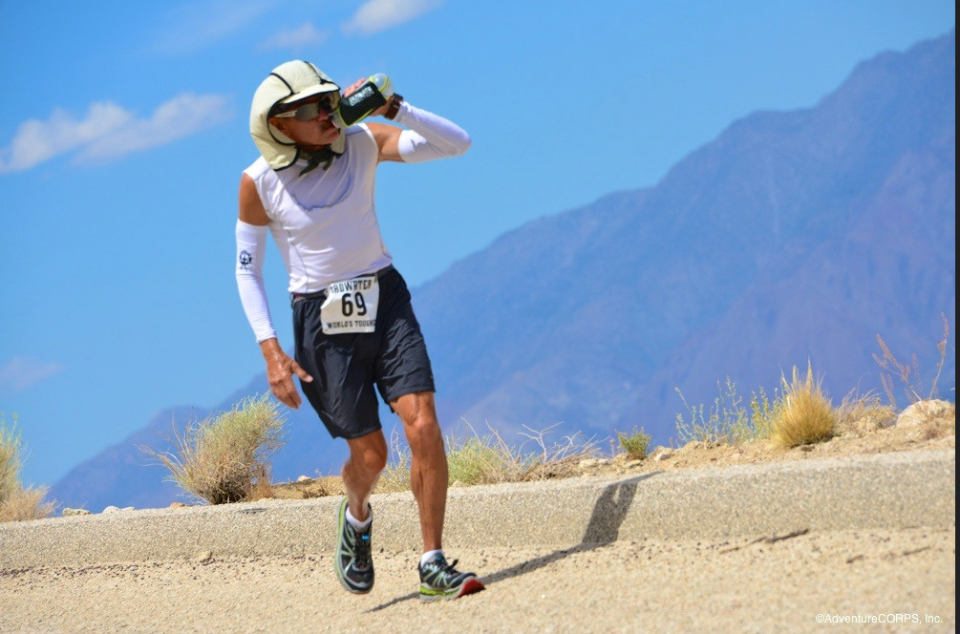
287,83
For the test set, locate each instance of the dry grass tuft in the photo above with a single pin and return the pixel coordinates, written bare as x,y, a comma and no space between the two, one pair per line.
396,475
490,460
862,415
806,415
909,373
16,502
10,459
479,460
227,459
25,504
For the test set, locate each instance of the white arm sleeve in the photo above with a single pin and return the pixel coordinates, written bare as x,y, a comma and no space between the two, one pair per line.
429,136
251,246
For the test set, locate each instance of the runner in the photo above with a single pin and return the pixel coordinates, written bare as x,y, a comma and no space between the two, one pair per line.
354,327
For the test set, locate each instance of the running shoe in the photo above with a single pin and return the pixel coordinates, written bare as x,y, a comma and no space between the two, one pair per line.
353,559
440,580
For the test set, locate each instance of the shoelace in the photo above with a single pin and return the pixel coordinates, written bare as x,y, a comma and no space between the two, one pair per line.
445,567
363,551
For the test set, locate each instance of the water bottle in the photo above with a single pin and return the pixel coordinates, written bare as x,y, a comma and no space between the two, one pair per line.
370,96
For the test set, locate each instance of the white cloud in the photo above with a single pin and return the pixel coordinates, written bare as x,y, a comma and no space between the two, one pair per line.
108,131
38,141
180,117
21,373
302,37
194,26
378,15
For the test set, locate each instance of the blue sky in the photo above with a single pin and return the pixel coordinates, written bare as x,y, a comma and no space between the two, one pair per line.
123,133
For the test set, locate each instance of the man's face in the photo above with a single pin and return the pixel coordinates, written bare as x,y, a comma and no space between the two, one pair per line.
308,123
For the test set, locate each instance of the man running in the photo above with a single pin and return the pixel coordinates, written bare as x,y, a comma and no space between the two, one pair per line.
354,328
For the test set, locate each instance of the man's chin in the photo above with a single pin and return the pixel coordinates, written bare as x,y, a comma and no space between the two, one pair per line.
332,134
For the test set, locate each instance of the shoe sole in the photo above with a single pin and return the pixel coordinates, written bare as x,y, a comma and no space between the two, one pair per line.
341,577
470,586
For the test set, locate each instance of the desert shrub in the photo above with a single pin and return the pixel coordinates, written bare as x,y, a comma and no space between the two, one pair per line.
17,503
728,420
10,458
909,373
806,415
634,444
26,504
227,459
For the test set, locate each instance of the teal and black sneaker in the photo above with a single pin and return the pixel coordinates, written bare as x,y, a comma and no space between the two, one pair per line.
440,580
353,560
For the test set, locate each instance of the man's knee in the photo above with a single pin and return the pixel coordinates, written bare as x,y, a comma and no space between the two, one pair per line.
369,452
419,416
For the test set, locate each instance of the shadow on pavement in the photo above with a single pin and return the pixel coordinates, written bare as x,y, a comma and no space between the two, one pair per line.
608,515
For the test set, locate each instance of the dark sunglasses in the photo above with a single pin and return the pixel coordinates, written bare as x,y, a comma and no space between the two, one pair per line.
328,101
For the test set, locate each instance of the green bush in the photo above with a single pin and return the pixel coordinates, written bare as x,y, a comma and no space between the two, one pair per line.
728,421
634,444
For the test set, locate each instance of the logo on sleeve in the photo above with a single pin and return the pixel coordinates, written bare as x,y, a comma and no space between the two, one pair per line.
246,258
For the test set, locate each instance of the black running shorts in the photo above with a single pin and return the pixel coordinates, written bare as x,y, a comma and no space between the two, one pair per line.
346,367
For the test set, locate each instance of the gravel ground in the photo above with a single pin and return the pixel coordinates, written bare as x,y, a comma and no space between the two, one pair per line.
781,583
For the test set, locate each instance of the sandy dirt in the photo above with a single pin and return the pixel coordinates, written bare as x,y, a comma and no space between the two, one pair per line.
880,581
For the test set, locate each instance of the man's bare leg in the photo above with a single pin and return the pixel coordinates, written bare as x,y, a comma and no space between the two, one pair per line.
353,562
428,464
368,457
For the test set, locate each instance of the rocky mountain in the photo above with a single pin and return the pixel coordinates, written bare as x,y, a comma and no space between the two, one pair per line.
793,237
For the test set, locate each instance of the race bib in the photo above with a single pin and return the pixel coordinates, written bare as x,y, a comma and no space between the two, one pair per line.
351,306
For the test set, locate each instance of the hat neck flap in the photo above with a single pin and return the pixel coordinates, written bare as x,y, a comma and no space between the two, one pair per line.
323,156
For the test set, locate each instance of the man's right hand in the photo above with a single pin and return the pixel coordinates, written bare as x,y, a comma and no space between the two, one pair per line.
280,371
